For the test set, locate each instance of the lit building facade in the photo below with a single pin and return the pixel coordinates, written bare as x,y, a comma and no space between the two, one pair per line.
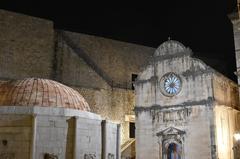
184,108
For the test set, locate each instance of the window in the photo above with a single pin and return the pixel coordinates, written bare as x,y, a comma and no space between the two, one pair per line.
134,76
131,130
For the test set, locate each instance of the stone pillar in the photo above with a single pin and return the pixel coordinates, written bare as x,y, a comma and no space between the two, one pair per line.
75,151
104,139
236,31
34,131
235,18
118,151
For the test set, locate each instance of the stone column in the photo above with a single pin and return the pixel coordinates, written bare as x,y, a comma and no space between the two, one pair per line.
75,151
160,147
118,151
34,132
104,140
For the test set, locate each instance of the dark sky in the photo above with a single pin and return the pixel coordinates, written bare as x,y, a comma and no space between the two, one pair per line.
202,25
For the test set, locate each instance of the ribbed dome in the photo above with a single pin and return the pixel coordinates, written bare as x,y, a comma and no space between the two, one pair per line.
40,92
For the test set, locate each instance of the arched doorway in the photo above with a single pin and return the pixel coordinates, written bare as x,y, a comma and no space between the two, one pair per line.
171,143
174,151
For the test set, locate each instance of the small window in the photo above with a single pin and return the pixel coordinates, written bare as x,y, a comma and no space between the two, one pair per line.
134,76
131,130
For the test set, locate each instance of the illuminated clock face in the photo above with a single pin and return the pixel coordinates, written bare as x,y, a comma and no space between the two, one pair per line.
171,84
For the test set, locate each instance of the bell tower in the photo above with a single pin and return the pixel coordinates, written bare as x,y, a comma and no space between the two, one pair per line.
235,18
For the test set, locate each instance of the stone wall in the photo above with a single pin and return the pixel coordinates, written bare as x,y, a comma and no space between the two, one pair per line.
226,114
185,118
88,142
111,143
72,70
26,46
195,77
236,31
51,136
119,60
37,132
196,127
225,91
56,136
112,103
15,136
29,47
227,124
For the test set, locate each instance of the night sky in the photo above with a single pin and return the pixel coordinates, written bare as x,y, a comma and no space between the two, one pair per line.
201,25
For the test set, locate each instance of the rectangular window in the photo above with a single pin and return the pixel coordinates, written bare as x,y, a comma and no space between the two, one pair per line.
131,130
134,76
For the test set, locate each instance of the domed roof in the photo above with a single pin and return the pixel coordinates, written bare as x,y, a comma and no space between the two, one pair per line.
40,92
169,47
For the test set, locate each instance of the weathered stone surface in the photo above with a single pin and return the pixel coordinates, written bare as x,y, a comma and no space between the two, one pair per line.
31,48
190,119
26,46
117,59
15,136
40,92
62,135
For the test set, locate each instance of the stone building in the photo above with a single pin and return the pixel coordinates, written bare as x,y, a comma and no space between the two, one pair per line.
184,108
32,47
42,118
103,70
235,18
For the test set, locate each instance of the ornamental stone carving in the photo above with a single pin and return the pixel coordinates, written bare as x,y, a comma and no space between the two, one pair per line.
89,156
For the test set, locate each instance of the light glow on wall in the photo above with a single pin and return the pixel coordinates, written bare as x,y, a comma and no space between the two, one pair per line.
223,133
237,136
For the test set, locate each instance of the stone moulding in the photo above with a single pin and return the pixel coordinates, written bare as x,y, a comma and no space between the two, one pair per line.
186,52
21,110
207,102
187,73
170,131
197,72
152,79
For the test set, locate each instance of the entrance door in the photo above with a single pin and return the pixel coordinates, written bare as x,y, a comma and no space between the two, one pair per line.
174,151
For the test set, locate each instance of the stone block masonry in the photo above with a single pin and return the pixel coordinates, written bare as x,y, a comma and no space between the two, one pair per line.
26,46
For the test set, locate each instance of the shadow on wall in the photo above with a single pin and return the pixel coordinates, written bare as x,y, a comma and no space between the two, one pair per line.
70,138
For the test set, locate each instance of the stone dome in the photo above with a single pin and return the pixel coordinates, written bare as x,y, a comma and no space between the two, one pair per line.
40,92
169,47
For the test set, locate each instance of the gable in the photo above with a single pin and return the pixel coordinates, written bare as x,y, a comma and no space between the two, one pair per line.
170,131
195,77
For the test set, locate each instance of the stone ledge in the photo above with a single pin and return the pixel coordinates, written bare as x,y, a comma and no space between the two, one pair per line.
208,102
23,110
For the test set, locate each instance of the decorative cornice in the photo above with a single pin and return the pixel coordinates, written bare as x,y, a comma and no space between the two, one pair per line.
171,131
152,79
197,72
186,52
51,111
187,73
206,102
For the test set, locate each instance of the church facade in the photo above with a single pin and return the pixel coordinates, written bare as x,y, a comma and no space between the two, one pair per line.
184,108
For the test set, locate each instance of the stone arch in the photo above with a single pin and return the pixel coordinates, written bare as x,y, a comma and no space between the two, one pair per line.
172,136
172,149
